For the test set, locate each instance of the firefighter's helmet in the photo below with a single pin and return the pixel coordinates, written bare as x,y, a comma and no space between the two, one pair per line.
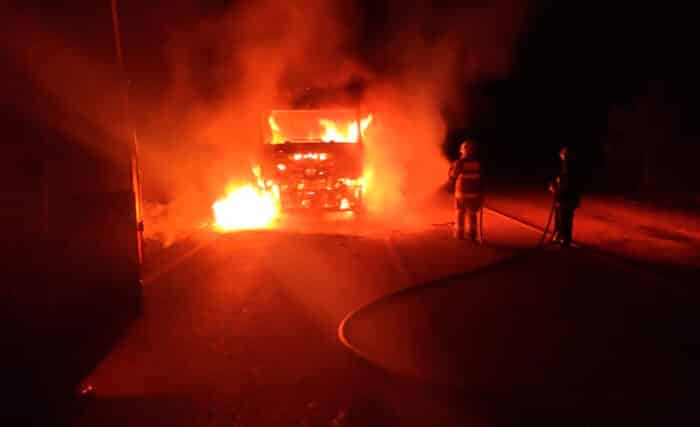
564,153
466,148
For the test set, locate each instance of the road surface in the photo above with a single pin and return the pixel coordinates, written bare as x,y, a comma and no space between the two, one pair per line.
240,329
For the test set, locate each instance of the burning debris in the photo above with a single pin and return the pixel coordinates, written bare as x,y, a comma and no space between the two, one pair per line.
245,207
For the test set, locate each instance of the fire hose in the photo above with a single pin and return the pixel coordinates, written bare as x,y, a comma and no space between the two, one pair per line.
481,224
543,240
552,212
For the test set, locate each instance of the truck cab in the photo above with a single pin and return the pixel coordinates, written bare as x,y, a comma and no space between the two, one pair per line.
314,159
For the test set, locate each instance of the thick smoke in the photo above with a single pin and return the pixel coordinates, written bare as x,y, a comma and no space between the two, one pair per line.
199,119
414,60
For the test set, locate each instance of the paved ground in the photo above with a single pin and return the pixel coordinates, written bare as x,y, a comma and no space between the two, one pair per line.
576,336
240,329
657,235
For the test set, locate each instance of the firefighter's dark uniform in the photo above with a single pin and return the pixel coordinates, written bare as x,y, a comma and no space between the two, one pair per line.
465,173
567,196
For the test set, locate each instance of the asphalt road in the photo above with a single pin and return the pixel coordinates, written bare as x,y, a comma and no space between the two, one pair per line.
241,329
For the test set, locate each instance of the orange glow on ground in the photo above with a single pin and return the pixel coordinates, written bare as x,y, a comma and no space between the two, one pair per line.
245,207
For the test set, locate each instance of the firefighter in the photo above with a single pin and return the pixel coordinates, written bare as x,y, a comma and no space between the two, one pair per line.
465,178
567,196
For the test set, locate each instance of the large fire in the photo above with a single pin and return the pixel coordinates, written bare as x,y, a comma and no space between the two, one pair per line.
253,206
246,207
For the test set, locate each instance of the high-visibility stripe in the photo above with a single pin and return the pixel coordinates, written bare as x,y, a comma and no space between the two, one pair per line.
468,177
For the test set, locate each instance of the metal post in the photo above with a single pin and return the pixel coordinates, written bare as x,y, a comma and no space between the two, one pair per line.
133,146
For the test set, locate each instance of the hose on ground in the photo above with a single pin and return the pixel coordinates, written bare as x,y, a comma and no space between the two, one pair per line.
546,228
481,223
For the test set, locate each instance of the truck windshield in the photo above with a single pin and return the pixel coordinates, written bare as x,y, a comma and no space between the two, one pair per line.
289,126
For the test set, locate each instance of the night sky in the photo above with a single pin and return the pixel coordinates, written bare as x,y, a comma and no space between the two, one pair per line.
576,64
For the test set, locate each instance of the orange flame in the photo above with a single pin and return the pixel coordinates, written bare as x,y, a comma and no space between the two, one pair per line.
343,131
334,132
247,207
277,137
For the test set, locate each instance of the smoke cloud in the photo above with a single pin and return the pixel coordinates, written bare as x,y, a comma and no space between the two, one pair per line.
199,90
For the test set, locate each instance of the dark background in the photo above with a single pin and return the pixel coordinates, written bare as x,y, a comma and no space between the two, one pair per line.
615,80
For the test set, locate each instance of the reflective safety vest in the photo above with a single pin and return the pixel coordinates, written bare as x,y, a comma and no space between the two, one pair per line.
467,176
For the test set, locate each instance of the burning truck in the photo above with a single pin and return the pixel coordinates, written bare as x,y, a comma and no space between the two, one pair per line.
308,160
314,159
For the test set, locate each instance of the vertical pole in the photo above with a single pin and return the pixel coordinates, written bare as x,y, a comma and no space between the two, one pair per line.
133,145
